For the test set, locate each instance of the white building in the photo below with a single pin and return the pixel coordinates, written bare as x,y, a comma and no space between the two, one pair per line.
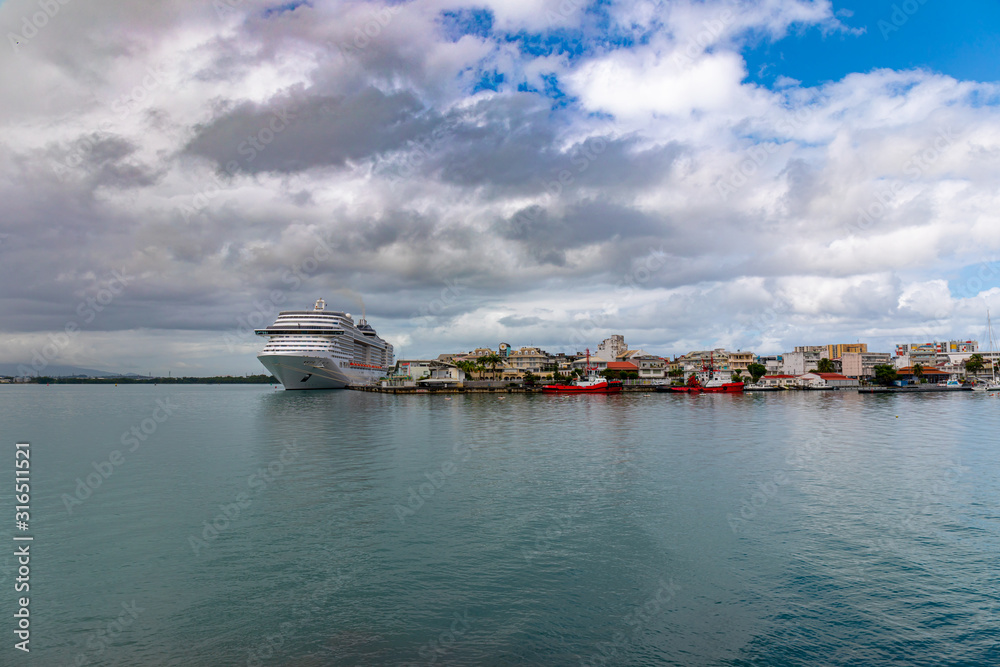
799,362
862,364
610,348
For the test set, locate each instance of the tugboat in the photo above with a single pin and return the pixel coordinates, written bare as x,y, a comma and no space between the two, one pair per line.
718,384
591,385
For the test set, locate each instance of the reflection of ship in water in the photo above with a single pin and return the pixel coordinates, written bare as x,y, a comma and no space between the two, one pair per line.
321,349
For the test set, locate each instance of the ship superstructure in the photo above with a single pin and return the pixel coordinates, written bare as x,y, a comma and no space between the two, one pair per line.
323,349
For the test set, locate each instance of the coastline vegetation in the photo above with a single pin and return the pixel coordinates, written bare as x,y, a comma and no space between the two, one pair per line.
218,379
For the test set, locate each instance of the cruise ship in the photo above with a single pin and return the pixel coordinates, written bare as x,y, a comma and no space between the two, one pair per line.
323,349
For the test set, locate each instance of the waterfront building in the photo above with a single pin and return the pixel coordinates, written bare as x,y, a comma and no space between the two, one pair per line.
444,374
862,364
650,366
739,361
931,375
778,380
772,363
824,380
413,369
530,359
802,361
476,354
623,367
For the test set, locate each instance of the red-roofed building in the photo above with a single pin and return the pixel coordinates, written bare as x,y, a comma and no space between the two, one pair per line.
623,366
778,381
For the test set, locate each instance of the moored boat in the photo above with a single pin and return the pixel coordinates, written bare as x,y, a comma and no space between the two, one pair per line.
592,384
717,384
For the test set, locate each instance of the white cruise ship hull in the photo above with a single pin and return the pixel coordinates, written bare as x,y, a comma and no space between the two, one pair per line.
299,372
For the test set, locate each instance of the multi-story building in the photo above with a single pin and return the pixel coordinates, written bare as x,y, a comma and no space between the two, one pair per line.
739,361
772,363
801,361
838,350
650,366
610,348
862,364
528,359
945,347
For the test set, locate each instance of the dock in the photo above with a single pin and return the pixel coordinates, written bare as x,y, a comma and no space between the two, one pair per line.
909,390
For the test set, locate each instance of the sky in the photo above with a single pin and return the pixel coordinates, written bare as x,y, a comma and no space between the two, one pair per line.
752,175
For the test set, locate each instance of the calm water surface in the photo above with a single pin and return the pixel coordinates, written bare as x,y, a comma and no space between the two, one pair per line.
254,526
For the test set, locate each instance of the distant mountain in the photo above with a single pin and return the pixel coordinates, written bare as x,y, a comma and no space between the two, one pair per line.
55,370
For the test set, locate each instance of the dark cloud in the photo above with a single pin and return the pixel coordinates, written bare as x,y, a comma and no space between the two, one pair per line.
297,132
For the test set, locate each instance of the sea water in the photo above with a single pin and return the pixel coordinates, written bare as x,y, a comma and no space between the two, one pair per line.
248,525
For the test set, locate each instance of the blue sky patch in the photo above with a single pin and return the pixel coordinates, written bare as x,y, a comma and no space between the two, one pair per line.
285,7
457,24
963,42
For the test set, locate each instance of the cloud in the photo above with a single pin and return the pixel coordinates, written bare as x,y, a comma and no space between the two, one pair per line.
529,155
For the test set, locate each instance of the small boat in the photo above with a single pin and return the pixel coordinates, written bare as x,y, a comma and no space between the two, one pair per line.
592,384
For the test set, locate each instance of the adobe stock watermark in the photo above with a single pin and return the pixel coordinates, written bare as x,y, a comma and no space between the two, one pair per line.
684,57
641,273
581,158
760,154
438,648
102,639
914,167
298,614
757,499
562,524
369,31
563,12
251,147
88,309
132,439
899,17
33,24
419,153
920,505
612,652
265,309
449,295
257,482
436,480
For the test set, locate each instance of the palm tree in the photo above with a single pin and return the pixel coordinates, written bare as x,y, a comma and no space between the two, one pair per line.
824,366
469,367
918,370
492,360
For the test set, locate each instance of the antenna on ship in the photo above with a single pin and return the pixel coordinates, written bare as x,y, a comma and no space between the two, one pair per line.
320,305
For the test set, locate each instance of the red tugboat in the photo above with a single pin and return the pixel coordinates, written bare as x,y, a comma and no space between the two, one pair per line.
717,385
591,385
